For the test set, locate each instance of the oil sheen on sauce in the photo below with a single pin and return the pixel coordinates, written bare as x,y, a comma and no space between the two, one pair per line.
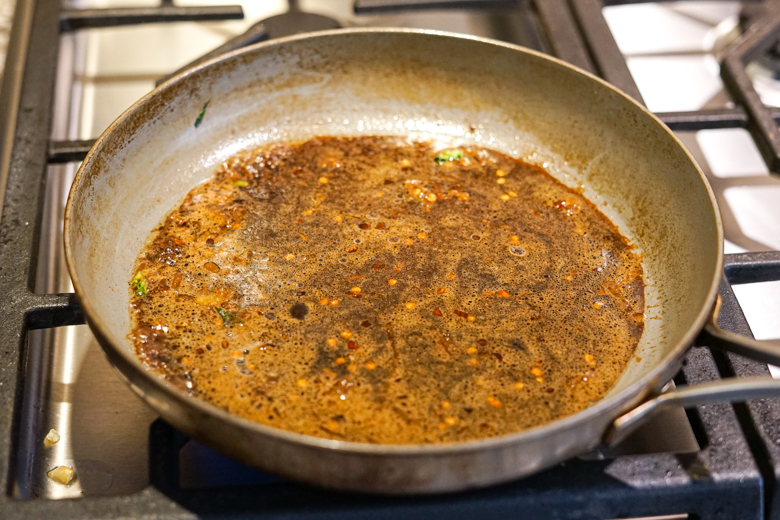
377,290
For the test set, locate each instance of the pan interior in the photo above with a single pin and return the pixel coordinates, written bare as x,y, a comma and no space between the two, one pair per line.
401,83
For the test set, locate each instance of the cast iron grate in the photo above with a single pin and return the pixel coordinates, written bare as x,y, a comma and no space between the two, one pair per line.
719,481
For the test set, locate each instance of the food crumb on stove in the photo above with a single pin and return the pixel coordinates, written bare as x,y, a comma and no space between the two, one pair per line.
505,197
331,342
370,365
590,360
62,475
340,361
51,438
323,180
302,383
289,257
471,350
473,362
450,420
410,305
346,334
392,281
519,385
334,303
500,173
446,405
351,368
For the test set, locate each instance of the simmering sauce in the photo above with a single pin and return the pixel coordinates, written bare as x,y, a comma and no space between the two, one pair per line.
377,290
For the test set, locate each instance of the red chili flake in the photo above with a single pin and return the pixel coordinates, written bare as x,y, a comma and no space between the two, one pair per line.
437,312
502,294
352,250
352,345
300,220
487,293
550,390
482,342
377,267
461,314
199,351
365,323
364,225
498,356
380,225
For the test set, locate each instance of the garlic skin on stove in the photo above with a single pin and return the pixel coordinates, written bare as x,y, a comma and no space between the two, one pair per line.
51,438
62,475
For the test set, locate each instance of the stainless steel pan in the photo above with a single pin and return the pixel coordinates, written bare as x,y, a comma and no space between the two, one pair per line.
584,131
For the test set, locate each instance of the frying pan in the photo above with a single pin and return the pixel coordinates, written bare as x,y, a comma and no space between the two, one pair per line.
583,131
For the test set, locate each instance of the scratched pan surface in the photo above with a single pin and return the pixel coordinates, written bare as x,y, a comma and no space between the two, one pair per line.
380,81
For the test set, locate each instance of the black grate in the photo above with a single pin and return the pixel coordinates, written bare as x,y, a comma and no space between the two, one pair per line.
720,481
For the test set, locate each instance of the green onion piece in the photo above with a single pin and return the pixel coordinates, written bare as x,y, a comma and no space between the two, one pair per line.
139,286
228,317
241,184
199,119
448,155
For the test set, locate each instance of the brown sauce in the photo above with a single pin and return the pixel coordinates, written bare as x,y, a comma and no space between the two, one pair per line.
375,290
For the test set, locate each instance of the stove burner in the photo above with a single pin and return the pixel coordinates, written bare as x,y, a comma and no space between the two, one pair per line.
295,21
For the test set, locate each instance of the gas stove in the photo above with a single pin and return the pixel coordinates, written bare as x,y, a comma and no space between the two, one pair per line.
708,69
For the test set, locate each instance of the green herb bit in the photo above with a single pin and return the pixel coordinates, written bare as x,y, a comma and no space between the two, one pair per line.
228,317
202,113
139,286
448,155
241,184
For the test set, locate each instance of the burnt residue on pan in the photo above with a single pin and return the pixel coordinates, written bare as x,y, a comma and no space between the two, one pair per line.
377,290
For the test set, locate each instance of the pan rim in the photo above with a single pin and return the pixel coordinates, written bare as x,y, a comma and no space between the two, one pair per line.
614,404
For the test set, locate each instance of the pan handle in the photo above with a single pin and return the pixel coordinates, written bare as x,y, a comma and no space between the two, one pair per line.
731,390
